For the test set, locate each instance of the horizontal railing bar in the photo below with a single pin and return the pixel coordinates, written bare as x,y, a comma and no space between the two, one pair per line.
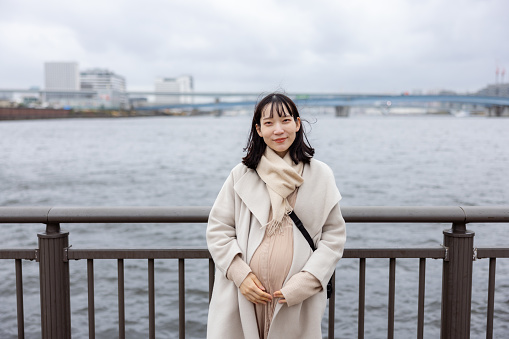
24,214
486,213
352,214
203,253
174,253
492,253
26,254
129,214
433,253
417,214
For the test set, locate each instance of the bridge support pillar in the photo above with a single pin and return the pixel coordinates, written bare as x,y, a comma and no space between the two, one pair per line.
498,111
342,111
492,111
457,282
218,112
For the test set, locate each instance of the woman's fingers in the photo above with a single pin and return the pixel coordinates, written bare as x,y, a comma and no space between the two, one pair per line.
278,294
258,283
253,290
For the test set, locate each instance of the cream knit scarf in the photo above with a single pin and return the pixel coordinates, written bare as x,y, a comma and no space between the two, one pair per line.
282,176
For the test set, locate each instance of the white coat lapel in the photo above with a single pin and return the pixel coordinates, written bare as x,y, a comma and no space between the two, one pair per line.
317,196
251,189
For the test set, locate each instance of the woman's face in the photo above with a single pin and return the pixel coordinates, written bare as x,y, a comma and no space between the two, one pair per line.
278,132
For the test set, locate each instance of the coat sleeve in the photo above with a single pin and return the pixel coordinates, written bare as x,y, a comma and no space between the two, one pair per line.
238,271
329,249
221,233
300,287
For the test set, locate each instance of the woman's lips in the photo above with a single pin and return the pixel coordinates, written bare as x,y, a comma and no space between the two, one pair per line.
280,140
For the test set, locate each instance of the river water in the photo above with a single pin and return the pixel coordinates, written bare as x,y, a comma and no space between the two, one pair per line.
183,161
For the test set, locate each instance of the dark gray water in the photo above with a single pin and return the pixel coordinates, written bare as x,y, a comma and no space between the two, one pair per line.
386,161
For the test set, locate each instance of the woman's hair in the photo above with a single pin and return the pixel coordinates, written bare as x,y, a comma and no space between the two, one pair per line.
300,150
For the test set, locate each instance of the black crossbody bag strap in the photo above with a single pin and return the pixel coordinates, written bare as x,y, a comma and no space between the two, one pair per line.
306,235
302,229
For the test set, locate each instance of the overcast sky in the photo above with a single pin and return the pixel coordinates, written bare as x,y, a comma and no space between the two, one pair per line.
258,46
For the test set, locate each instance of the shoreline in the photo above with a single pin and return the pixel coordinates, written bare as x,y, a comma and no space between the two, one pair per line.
9,114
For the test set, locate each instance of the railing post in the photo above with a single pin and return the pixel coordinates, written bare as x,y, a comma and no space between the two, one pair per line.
457,283
54,279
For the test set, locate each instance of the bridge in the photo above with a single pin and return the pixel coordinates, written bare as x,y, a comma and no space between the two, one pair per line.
496,106
218,101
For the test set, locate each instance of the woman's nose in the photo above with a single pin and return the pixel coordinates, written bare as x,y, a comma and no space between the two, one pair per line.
278,129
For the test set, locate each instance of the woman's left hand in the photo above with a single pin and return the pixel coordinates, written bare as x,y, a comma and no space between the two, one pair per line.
278,294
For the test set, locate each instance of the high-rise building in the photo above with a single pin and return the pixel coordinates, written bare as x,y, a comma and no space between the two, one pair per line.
110,87
61,76
61,84
181,84
98,78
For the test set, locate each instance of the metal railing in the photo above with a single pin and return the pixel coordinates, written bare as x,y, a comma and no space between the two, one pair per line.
54,253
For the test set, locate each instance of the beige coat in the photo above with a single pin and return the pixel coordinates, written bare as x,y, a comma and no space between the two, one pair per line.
235,227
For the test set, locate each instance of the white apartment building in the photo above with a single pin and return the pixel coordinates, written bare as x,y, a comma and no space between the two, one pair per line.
99,78
181,84
61,76
110,87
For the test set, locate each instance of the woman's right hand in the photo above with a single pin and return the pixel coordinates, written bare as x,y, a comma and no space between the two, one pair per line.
253,290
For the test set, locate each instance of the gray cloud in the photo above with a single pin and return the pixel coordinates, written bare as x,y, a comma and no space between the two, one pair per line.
365,45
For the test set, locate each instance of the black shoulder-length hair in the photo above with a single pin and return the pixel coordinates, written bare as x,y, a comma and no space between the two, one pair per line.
300,150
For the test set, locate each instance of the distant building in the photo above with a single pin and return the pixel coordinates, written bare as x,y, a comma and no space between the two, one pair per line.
61,76
5,103
98,78
496,90
181,84
11,98
65,86
61,84
110,87
138,102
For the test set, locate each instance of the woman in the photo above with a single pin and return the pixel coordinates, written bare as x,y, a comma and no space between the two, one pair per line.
269,283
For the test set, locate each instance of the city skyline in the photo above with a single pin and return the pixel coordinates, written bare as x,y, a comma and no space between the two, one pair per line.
363,46
185,83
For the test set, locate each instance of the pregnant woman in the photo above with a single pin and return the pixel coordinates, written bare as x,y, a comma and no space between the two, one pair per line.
269,281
